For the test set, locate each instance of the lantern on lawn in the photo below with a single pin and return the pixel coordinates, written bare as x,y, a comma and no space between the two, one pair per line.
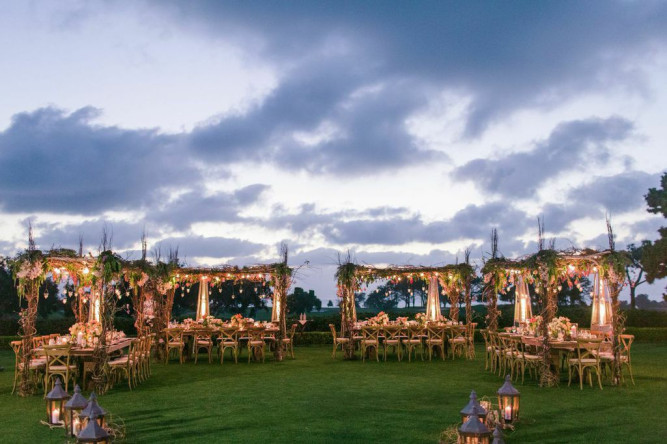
93,432
470,407
55,405
508,402
498,436
73,408
93,409
474,431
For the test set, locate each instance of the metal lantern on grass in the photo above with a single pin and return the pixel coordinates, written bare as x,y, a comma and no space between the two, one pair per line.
92,410
469,408
474,431
498,436
93,432
55,405
508,402
73,408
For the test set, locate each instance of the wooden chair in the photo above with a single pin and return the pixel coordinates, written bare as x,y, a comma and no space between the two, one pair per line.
414,342
127,365
36,366
337,341
436,337
202,340
371,340
524,360
392,339
288,342
174,341
470,340
457,340
228,340
256,344
508,354
625,343
488,349
587,360
58,363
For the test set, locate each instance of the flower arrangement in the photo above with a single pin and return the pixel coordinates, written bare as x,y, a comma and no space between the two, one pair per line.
237,320
421,318
402,321
533,325
210,321
30,270
559,328
84,333
164,287
381,318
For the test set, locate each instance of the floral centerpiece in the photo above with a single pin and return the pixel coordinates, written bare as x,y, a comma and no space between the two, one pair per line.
402,321
86,333
533,325
381,318
421,319
211,321
559,328
237,320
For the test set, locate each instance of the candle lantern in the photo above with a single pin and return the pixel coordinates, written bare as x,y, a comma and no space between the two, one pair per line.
93,409
498,436
55,405
73,408
468,409
93,432
474,431
508,402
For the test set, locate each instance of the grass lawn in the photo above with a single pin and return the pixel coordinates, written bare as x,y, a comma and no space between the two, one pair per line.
316,399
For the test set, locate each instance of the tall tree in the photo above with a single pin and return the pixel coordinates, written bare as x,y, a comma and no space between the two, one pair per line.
634,271
654,254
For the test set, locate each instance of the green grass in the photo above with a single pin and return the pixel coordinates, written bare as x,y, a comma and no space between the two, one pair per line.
316,399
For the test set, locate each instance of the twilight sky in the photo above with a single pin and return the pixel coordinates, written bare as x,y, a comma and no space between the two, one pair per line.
401,131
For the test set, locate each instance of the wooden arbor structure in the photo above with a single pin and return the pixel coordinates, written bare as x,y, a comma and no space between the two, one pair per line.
278,275
547,271
455,281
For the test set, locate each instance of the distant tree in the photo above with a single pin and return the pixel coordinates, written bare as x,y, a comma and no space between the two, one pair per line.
654,254
575,295
303,302
9,300
48,299
634,272
379,300
330,303
359,299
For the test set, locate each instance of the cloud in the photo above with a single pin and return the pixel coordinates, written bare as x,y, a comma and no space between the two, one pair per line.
192,207
51,161
506,57
472,222
571,145
200,246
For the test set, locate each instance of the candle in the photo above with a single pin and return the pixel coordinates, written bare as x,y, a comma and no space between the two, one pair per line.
508,413
76,426
55,416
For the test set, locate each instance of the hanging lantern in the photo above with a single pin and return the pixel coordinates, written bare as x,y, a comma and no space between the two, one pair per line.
474,431
93,409
471,406
55,405
93,432
73,408
508,402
